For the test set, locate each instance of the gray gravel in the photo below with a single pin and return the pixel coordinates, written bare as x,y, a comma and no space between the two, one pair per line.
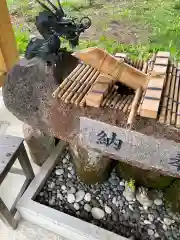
110,205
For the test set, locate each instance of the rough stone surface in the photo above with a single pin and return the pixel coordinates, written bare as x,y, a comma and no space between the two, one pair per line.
150,179
40,144
91,166
143,198
27,94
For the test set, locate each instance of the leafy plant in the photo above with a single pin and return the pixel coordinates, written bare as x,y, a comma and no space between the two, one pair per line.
177,4
131,184
22,39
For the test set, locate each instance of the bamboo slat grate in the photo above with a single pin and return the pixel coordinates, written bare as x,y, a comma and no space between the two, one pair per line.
75,87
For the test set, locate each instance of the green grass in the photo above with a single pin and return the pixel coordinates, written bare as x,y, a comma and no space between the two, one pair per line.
157,19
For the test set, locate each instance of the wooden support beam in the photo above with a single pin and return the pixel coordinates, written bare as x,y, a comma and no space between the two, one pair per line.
7,40
3,67
152,98
2,78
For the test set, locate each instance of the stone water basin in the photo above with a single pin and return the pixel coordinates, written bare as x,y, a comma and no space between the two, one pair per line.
107,205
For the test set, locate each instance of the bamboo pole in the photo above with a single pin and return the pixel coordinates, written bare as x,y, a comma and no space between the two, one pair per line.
145,69
115,100
170,100
142,64
108,64
61,86
68,81
82,89
134,106
175,99
108,96
72,85
125,108
77,85
120,101
178,112
137,63
129,108
123,102
178,106
81,99
111,98
163,110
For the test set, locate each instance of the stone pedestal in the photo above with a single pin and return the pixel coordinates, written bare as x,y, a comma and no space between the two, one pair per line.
40,144
91,166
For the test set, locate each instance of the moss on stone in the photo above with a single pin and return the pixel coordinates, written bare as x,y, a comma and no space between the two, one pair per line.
172,196
150,179
91,166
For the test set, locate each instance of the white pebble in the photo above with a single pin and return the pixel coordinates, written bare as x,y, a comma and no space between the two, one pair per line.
114,200
72,190
60,196
87,207
156,235
101,202
165,227
145,207
69,175
63,187
64,160
52,201
147,222
158,202
107,209
87,197
150,232
151,217
51,185
131,208
70,168
70,198
97,213
80,195
122,183
76,206
167,221
68,157
59,172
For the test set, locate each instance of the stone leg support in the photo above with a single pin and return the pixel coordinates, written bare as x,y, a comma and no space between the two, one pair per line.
91,166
